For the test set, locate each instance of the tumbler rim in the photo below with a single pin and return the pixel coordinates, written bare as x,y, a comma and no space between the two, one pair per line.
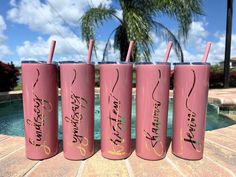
114,62
37,62
193,63
75,62
153,63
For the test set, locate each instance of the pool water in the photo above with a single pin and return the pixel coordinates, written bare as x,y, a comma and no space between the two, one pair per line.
12,123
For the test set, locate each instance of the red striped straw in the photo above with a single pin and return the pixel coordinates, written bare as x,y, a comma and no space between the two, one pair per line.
51,52
131,46
90,50
167,52
207,50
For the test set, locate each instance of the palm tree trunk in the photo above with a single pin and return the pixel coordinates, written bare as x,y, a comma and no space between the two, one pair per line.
124,45
228,42
123,50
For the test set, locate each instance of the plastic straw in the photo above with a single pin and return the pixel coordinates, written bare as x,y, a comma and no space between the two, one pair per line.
90,50
51,52
207,50
131,46
167,51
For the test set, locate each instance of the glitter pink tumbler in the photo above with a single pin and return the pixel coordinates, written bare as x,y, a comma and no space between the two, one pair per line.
40,101
153,80
77,92
116,100
190,106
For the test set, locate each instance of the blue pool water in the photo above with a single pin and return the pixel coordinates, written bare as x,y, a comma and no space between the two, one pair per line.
12,123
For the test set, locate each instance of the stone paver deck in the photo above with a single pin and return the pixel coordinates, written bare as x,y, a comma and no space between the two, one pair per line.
219,160
223,97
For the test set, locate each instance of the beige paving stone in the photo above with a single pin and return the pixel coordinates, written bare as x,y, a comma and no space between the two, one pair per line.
227,132
222,156
201,168
10,144
3,137
99,166
56,166
221,140
232,127
145,168
16,164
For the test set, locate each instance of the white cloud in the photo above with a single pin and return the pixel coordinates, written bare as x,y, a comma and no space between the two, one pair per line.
111,55
218,48
198,29
4,49
38,16
66,49
69,10
159,52
194,49
55,18
198,39
96,3
13,2
3,27
119,13
68,46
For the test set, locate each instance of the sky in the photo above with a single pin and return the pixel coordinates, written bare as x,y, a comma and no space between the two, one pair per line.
28,26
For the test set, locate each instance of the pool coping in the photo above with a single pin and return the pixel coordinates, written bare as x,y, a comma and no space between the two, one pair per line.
219,97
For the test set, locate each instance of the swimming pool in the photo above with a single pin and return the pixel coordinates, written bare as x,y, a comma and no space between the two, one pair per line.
12,123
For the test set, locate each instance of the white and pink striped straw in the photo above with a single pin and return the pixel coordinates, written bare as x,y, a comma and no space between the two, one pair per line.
90,50
131,46
167,52
206,53
51,52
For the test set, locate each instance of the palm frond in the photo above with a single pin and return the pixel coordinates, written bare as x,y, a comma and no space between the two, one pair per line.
184,11
94,18
138,27
107,43
166,34
139,19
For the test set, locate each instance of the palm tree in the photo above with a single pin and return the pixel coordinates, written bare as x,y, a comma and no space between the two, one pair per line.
228,42
139,18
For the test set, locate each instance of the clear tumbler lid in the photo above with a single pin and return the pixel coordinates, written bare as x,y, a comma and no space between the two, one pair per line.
74,62
193,63
153,63
114,62
37,62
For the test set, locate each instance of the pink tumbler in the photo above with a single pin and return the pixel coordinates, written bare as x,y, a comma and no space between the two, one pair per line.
116,102
40,101
190,105
152,97
77,92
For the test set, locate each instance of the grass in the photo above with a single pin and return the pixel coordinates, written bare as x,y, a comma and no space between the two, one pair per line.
18,87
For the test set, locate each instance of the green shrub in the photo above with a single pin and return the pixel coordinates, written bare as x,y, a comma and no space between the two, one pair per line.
8,76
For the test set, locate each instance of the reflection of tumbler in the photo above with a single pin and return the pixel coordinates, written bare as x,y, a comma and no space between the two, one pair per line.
40,101
116,100
190,105
77,92
152,94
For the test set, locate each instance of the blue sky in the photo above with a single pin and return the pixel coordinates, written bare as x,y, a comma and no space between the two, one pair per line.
26,28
